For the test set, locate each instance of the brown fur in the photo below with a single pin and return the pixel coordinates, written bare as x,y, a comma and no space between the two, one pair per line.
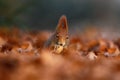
59,40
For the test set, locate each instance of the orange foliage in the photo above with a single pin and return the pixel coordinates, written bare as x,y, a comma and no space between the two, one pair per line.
88,57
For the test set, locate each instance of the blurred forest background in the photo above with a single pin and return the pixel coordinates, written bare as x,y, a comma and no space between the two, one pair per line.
44,14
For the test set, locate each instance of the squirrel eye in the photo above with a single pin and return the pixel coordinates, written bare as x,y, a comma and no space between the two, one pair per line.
67,37
57,36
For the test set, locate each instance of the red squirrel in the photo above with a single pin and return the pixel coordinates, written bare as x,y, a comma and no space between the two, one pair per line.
60,39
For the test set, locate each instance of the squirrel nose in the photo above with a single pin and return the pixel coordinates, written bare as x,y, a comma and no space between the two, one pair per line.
61,44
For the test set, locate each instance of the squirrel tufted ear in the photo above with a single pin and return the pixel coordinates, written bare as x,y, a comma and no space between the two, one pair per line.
62,24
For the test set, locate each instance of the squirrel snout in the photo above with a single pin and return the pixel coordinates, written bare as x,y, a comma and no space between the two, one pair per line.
61,43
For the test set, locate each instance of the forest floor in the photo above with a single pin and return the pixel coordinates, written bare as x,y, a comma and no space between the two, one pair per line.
89,56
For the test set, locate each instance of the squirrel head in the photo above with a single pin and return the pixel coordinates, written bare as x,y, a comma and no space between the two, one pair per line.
61,34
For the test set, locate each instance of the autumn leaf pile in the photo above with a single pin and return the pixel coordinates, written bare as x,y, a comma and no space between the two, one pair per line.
89,56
